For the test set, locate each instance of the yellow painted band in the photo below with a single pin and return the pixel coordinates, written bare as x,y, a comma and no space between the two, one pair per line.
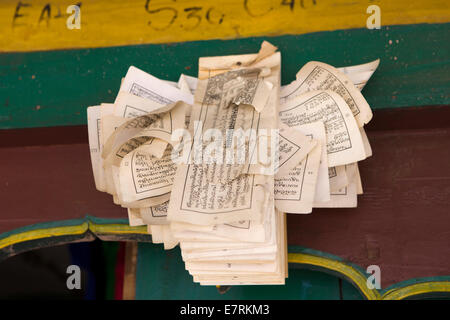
27,25
117,229
417,289
360,280
70,230
349,272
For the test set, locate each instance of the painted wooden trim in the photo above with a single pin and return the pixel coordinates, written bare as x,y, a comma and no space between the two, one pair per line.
40,25
424,288
41,231
302,257
355,274
344,270
60,84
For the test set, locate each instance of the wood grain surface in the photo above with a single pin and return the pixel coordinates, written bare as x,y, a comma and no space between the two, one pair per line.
401,222
45,89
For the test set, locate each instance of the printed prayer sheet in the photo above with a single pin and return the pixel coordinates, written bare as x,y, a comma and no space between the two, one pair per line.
293,148
95,146
156,214
143,175
142,84
214,163
338,178
320,76
361,73
317,130
217,193
295,191
344,141
345,197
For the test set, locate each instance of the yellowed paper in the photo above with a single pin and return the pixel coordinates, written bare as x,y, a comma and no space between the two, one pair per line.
128,106
108,124
264,272
359,188
366,144
187,83
194,198
233,133
134,218
144,85
337,177
156,214
142,175
196,201
320,76
95,146
157,125
317,130
168,239
157,233
360,74
147,202
344,141
243,230
345,197
294,146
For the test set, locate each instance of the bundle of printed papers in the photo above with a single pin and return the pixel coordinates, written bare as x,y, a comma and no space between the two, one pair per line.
213,163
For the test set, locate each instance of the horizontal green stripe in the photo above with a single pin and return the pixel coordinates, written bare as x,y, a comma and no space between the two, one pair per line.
39,89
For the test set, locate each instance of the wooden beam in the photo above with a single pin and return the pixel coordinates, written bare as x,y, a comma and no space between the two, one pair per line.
400,223
44,89
41,25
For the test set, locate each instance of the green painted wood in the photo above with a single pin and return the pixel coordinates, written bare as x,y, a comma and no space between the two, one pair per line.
40,89
161,275
49,239
349,292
